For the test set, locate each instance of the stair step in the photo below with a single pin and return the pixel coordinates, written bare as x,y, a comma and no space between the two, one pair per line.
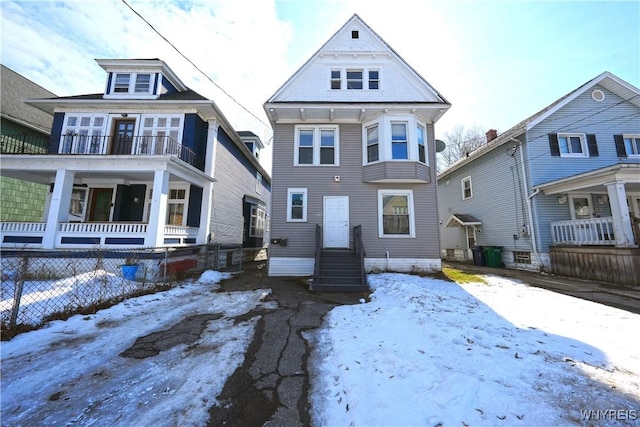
340,272
339,288
338,280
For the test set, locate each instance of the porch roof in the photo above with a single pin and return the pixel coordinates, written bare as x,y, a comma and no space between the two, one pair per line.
458,220
595,180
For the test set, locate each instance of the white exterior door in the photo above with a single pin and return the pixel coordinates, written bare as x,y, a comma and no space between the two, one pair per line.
336,222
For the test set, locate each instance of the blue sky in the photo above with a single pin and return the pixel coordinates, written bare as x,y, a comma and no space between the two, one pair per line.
497,62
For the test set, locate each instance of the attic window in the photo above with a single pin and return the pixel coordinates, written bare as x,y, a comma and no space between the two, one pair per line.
355,34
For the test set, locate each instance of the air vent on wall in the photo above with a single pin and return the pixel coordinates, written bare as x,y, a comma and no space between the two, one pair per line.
597,95
355,34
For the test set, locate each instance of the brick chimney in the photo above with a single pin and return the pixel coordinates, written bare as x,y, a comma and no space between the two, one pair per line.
491,134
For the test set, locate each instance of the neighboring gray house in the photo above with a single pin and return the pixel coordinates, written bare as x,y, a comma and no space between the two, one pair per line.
146,163
559,191
22,126
354,163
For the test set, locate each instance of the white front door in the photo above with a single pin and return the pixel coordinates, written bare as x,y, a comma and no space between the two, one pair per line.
336,222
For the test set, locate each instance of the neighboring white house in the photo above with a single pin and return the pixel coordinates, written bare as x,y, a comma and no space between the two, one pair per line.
146,163
559,191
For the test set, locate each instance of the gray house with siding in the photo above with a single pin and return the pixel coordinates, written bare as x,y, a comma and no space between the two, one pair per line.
559,191
354,167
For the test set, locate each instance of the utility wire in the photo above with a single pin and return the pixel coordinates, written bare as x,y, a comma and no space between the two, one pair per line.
193,64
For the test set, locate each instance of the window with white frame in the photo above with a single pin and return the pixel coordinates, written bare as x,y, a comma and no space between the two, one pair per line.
83,134
395,138
132,84
316,145
422,149
396,216
176,207
297,205
373,144
257,222
336,79
258,182
374,79
354,79
572,145
632,144
467,191
399,141
161,134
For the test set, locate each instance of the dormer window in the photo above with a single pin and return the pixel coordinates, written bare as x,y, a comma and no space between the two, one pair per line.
132,84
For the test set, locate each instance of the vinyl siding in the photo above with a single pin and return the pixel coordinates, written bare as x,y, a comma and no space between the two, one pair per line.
235,178
497,200
363,199
583,115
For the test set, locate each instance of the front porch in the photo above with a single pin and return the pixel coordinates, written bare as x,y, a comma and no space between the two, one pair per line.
30,235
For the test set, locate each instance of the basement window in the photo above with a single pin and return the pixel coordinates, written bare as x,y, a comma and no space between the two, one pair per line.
520,257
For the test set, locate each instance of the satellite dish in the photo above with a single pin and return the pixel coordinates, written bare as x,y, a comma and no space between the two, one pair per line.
440,145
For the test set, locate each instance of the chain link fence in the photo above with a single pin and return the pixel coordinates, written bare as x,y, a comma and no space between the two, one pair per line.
39,286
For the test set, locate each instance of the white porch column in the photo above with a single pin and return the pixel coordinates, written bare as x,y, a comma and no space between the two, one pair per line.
158,214
59,206
620,212
207,191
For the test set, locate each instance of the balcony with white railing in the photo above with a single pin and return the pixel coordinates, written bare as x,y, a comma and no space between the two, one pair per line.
581,232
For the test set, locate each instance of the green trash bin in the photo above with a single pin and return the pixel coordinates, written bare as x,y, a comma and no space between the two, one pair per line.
493,256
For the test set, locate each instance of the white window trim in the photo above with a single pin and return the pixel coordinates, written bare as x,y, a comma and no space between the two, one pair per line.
412,218
316,145
633,136
462,181
257,221
305,203
258,182
141,128
385,153
131,92
73,132
583,144
365,78
580,196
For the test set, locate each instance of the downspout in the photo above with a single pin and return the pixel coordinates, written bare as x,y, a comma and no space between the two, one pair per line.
528,200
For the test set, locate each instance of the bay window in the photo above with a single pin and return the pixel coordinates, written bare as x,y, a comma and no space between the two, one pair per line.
372,144
395,138
399,141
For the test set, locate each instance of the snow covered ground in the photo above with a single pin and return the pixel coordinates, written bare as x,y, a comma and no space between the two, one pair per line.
70,373
428,352
420,352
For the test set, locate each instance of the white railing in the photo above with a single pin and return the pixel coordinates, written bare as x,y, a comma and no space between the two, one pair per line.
23,227
179,232
111,228
593,231
31,234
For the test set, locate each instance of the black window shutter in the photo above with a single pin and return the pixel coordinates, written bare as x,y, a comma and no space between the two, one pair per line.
593,146
622,152
554,147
